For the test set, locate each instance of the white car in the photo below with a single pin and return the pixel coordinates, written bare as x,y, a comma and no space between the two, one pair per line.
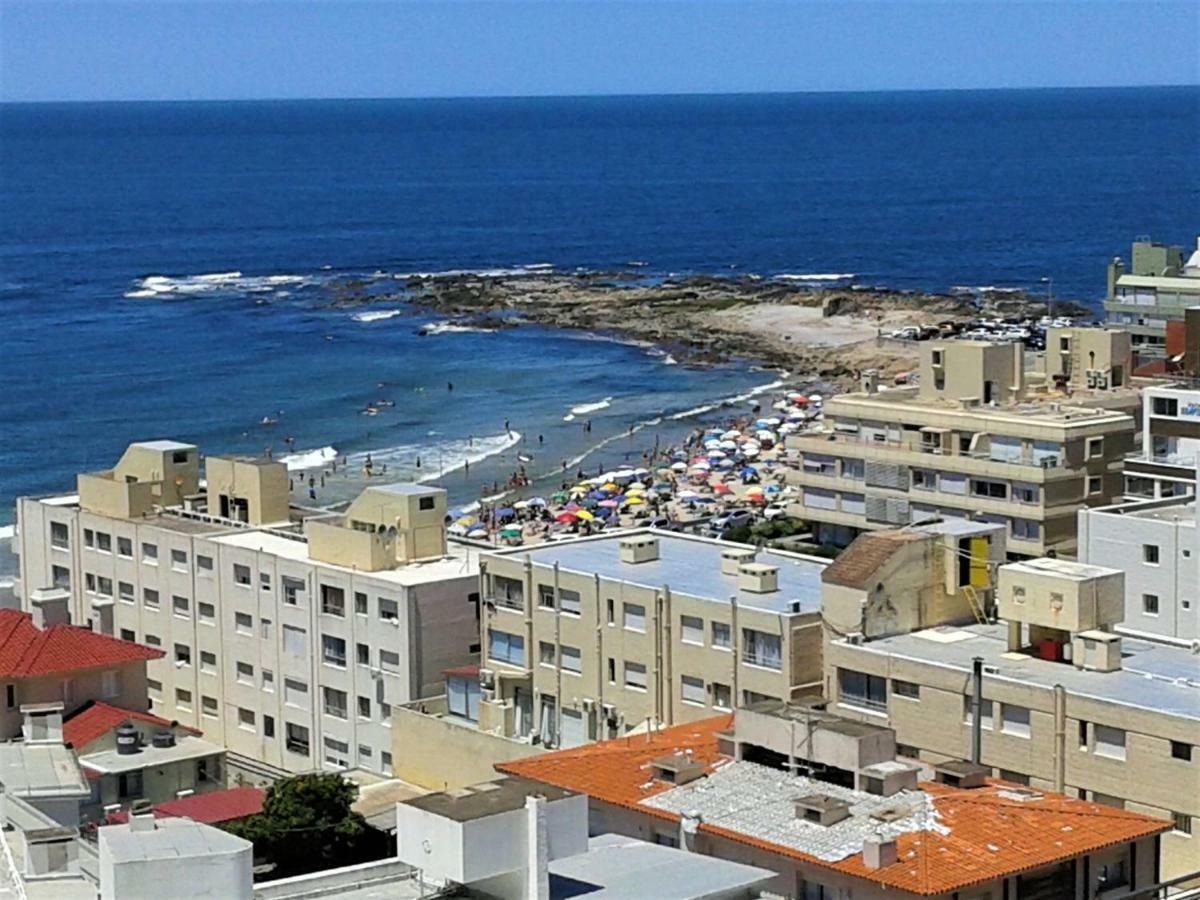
776,510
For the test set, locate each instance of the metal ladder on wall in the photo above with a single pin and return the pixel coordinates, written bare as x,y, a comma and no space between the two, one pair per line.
976,603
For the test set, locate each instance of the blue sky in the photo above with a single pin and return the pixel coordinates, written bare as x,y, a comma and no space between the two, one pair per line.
185,49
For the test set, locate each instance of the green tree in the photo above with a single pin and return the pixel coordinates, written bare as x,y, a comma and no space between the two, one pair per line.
307,825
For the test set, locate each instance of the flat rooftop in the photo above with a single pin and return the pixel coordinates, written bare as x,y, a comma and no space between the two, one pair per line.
171,838
1180,511
1050,408
688,565
1155,677
478,801
184,748
1063,568
622,868
461,560
35,769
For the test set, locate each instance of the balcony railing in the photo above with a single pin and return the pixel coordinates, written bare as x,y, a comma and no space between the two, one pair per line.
843,438
1162,459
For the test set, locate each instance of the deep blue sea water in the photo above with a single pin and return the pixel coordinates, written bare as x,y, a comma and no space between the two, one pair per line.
908,189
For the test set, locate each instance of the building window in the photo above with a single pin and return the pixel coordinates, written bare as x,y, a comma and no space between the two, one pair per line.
761,649
1165,406
208,706
129,785
1181,822
691,690
385,762
635,676
110,684
104,586
907,689
425,503
60,535
183,655
204,564
125,592
634,617
333,650
1181,750
508,591
295,693
208,662
336,752
360,603
571,660
335,702
1026,529
243,623
245,719
1014,720
292,589
610,610
1095,447
506,648
245,673
385,713
179,560
722,696
994,489
1026,493
389,610
264,580
149,554
268,681
241,574
128,634
153,640
364,707
862,689
268,726
1150,604
207,613
183,699
691,630
924,480
182,606
295,641
1109,742
1095,485
720,635
89,582
1150,554
60,576
333,601
103,542
546,654
389,661
89,538
1112,875
297,739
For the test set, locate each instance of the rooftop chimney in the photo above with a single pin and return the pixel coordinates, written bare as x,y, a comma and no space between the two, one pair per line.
735,557
679,768
878,851
51,606
537,876
964,775
758,578
822,809
141,816
638,548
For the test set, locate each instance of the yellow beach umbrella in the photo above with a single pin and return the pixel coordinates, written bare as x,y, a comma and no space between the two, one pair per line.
583,514
465,520
635,500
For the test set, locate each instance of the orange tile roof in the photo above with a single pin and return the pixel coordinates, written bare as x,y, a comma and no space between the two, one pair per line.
97,718
990,835
28,651
618,771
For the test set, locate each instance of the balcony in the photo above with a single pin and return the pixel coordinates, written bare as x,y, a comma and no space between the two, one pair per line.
912,452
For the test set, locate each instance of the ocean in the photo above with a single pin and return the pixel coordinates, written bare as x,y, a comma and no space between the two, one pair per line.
137,241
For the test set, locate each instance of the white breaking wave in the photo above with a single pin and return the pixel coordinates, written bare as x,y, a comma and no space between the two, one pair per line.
436,459
309,459
453,328
165,286
377,315
531,269
814,276
584,408
727,401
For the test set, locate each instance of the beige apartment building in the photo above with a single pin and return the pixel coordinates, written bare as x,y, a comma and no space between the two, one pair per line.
289,633
978,438
593,638
1067,704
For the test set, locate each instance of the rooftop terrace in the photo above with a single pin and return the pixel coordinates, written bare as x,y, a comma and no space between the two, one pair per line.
1157,677
688,565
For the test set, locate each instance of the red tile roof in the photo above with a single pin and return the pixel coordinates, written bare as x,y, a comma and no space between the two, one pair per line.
210,808
28,651
990,835
468,671
96,719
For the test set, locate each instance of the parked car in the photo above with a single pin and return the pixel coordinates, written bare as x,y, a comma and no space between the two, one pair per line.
732,519
776,510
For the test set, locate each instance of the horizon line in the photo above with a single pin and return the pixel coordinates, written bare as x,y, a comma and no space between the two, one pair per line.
599,96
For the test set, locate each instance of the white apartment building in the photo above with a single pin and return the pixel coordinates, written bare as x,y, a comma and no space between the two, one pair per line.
289,634
1155,543
1165,466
